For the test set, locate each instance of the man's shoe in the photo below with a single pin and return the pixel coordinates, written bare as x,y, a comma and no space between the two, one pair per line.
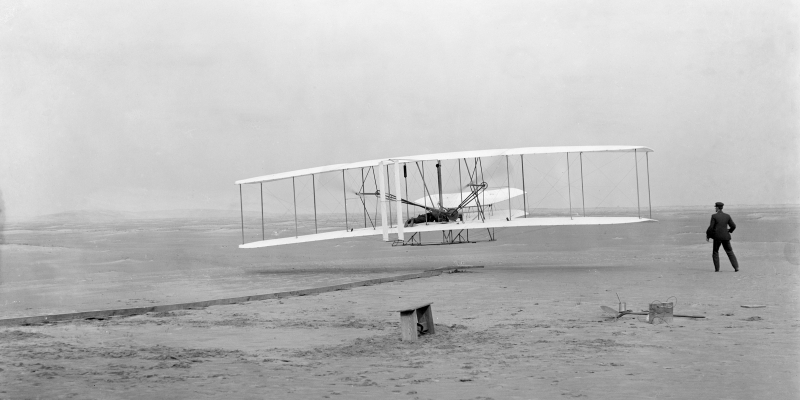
736,270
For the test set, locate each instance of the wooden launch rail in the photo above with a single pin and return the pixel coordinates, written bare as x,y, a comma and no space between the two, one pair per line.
125,312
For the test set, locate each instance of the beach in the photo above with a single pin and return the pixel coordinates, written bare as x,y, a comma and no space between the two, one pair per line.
527,324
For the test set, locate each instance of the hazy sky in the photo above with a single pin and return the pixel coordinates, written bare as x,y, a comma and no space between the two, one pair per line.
136,105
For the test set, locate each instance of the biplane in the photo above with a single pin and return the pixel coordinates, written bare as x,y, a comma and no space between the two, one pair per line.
386,204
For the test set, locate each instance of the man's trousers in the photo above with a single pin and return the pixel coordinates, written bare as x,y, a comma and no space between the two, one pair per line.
726,244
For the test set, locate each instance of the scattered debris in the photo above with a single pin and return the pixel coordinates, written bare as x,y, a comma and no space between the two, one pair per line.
660,312
616,315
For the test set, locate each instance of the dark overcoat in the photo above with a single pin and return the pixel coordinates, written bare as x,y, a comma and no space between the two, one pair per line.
718,229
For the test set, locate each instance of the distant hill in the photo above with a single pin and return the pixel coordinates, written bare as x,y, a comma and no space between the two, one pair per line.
97,216
200,213
84,216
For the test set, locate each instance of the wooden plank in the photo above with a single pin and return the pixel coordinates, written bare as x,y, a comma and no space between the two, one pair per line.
408,325
457,267
414,308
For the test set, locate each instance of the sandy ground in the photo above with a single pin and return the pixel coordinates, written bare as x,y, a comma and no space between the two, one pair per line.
528,325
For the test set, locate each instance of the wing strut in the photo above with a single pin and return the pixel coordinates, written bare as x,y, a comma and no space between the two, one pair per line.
508,175
388,190
405,178
460,182
384,222
636,161
344,192
400,223
314,188
364,203
473,179
460,185
424,188
241,209
569,188
439,179
649,204
362,200
263,237
524,193
375,184
483,179
294,198
583,199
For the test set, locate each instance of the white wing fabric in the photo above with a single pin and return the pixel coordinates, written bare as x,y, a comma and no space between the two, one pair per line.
445,156
497,221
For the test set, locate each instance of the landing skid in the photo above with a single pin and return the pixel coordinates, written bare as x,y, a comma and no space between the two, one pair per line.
448,237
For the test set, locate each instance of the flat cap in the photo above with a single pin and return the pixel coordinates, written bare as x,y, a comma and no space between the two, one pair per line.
718,204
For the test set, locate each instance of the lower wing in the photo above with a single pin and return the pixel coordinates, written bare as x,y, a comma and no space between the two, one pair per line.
498,222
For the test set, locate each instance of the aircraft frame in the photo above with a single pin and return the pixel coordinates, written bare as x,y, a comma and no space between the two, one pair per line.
438,216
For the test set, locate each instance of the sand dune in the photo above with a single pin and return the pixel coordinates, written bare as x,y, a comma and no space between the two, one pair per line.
528,325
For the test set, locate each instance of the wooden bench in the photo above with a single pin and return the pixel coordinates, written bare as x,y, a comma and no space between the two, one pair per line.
415,320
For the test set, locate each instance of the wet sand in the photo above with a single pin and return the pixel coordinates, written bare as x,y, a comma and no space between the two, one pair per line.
527,325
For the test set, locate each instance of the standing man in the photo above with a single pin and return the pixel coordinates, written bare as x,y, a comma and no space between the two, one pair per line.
718,230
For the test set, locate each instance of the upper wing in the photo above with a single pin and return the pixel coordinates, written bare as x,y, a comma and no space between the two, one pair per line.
443,156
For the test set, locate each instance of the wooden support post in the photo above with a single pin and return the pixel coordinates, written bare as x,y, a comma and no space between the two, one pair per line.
416,319
408,325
